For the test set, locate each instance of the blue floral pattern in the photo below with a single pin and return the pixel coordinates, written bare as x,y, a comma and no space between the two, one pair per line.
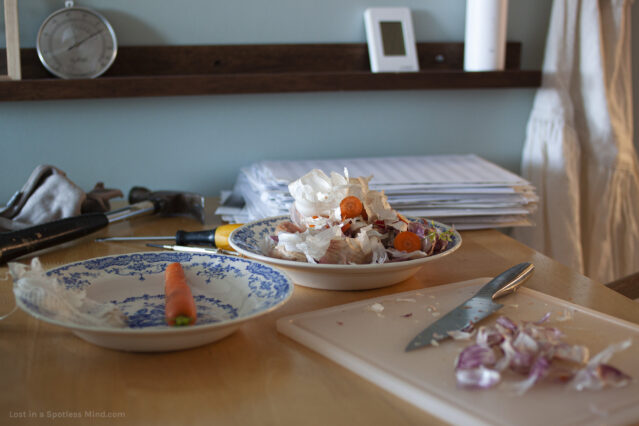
250,236
148,311
262,285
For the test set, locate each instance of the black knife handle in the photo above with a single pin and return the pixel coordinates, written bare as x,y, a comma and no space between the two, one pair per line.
18,243
202,238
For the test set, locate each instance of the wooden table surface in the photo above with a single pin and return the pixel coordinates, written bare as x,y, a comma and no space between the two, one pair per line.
256,376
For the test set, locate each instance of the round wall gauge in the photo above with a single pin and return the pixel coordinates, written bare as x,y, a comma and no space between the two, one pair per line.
76,42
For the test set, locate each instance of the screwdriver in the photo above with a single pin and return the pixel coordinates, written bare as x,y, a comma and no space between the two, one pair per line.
216,237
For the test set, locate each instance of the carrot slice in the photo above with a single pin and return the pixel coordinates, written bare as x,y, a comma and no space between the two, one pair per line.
351,207
180,305
407,241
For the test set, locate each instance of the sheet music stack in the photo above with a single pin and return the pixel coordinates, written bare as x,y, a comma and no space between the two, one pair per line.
466,191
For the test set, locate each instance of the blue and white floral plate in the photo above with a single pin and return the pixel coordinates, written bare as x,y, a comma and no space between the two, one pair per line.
228,291
248,240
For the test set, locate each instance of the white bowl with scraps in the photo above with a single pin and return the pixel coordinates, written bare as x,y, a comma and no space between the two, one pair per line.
249,240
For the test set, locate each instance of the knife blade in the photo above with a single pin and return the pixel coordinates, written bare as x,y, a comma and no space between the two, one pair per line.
473,310
189,249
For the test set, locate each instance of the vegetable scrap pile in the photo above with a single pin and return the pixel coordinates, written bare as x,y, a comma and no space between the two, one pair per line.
339,220
180,307
536,352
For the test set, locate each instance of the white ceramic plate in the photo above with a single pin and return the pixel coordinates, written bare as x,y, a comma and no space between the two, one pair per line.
228,291
247,238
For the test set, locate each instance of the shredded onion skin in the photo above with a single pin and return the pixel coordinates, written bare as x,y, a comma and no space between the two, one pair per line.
338,219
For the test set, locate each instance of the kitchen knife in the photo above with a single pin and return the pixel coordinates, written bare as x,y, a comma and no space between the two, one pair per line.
474,309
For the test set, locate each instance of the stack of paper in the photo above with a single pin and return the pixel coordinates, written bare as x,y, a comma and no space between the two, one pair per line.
461,190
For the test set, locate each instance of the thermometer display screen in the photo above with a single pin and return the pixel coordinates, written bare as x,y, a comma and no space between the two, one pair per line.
392,38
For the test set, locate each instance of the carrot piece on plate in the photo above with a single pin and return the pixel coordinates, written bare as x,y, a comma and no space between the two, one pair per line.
351,207
179,305
407,241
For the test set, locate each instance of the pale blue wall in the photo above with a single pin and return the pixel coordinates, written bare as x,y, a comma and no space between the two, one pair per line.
198,143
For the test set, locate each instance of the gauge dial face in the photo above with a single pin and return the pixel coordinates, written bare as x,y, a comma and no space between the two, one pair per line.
76,43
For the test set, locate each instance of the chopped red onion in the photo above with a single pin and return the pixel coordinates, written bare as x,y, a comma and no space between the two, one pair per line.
605,355
538,370
544,334
599,377
489,336
418,228
543,319
480,377
525,343
521,362
475,356
529,349
573,353
507,324
514,358
597,374
612,376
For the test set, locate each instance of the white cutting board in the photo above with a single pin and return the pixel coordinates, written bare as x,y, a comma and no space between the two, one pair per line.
372,345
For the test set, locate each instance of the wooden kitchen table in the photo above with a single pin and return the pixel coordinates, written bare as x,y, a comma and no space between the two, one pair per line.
256,376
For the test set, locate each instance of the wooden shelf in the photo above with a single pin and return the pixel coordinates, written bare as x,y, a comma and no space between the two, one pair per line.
208,70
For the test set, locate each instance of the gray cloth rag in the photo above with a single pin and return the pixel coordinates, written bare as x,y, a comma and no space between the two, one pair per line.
49,195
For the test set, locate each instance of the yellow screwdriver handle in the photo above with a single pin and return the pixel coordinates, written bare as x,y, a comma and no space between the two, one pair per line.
222,234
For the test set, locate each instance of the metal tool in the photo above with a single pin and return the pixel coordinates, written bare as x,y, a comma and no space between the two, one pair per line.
474,309
217,237
189,249
171,203
143,202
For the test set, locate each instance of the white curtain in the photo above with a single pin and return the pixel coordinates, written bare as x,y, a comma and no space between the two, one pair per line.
579,149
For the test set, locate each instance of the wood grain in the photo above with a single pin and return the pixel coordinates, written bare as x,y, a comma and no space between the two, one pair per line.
628,286
256,376
228,69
